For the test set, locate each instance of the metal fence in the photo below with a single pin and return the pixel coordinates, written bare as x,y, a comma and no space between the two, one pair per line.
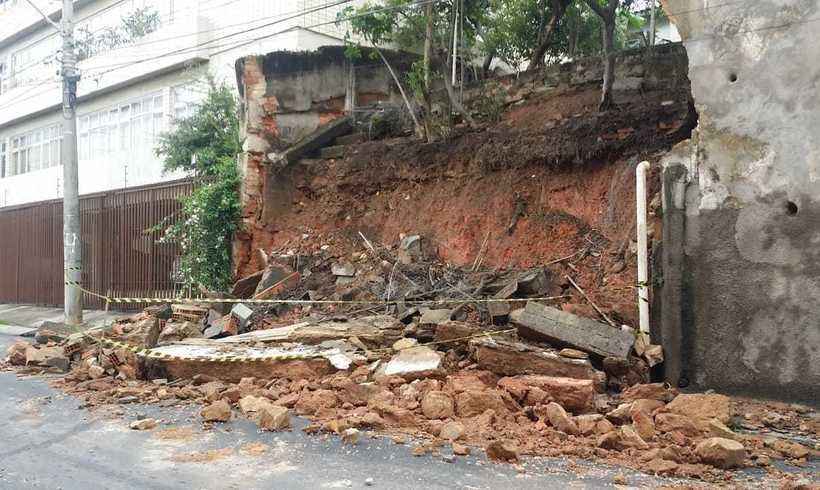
120,256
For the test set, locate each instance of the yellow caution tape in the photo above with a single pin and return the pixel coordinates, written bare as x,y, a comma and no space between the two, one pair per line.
109,299
228,358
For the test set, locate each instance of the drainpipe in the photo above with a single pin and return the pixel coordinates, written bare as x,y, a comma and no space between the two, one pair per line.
643,266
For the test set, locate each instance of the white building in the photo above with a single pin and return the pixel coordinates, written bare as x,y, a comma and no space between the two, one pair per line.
129,91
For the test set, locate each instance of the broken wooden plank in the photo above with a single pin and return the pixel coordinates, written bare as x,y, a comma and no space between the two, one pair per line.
554,325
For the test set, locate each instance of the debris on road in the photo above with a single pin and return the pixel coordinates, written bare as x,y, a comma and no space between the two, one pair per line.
400,360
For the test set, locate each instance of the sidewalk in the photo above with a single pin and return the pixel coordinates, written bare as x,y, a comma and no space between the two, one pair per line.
21,319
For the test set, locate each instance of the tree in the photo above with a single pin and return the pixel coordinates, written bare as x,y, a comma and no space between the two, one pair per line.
414,27
206,144
607,13
508,27
134,25
556,12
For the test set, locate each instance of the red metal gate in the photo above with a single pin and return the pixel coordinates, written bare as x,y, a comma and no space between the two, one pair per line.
120,256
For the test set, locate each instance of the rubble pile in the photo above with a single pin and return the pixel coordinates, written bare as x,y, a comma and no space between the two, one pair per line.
516,378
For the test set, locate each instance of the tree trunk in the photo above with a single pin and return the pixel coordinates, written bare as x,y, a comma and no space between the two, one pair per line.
428,45
537,60
609,63
451,94
607,15
485,66
418,128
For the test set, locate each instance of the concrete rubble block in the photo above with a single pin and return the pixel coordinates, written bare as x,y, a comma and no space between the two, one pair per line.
452,431
373,331
345,269
587,423
222,327
644,425
645,405
218,411
437,405
788,449
52,332
719,429
536,282
410,249
152,330
621,414
653,391
510,358
276,279
250,404
174,331
272,417
47,357
672,422
17,353
242,313
576,395
434,317
554,325
162,312
472,403
558,417
505,451
721,453
244,288
200,356
415,363
498,309
701,408
629,437
450,331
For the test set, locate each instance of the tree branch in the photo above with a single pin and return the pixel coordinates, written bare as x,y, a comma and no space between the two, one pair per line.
595,6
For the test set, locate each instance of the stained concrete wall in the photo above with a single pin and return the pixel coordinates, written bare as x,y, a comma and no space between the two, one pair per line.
741,293
284,97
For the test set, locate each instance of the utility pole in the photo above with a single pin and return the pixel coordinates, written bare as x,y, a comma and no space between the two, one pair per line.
651,24
72,243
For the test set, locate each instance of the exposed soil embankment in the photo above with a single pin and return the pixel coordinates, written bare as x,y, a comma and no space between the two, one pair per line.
553,178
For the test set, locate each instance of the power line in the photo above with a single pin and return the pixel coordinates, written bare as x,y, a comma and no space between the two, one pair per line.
242,42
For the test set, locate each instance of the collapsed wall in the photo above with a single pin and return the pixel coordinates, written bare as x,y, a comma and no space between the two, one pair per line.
552,178
741,203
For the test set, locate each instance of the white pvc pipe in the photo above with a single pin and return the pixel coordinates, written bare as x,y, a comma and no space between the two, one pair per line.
643,264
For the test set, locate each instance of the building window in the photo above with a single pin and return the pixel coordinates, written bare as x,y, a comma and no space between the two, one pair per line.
33,151
127,131
2,159
184,99
32,62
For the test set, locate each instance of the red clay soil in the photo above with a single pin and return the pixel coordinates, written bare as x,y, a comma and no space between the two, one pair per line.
563,168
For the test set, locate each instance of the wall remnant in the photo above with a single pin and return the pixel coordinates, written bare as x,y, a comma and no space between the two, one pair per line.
285,96
741,203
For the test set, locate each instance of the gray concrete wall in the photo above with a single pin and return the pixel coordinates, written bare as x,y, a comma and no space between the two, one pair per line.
742,203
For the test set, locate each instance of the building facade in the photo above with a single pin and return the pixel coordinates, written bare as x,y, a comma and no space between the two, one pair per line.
142,64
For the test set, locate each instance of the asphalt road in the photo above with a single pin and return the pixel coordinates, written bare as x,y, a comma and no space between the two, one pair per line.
49,442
